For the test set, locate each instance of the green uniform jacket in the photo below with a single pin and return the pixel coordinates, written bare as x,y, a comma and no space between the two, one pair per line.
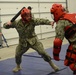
26,31
60,33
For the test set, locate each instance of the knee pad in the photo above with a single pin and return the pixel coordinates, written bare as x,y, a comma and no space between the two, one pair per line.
46,58
72,67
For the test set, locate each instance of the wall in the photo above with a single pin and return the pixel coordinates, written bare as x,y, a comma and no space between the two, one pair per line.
71,6
41,9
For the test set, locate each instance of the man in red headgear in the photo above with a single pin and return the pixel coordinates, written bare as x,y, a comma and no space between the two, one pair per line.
65,27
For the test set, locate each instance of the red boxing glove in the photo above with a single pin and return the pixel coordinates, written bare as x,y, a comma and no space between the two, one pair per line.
56,58
57,48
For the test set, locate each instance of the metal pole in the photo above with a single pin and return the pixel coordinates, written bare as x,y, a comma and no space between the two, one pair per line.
67,6
0,31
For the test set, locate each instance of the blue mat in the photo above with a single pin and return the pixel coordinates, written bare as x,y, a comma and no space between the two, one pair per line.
33,64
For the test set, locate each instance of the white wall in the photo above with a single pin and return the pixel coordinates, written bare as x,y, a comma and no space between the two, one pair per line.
72,6
41,9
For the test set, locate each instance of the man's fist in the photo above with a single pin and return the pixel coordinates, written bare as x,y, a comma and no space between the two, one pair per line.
56,58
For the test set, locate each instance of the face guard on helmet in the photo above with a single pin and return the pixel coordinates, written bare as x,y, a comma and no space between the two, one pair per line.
57,11
26,15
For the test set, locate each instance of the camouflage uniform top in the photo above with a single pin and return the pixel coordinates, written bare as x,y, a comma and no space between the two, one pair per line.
26,31
60,33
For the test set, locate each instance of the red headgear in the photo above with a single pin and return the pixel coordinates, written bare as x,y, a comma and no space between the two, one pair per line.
58,11
26,14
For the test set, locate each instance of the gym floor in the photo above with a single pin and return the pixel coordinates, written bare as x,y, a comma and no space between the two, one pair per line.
9,52
32,63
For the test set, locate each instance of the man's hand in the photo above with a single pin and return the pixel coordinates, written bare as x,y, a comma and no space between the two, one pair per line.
0,34
52,24
56,58
9,23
